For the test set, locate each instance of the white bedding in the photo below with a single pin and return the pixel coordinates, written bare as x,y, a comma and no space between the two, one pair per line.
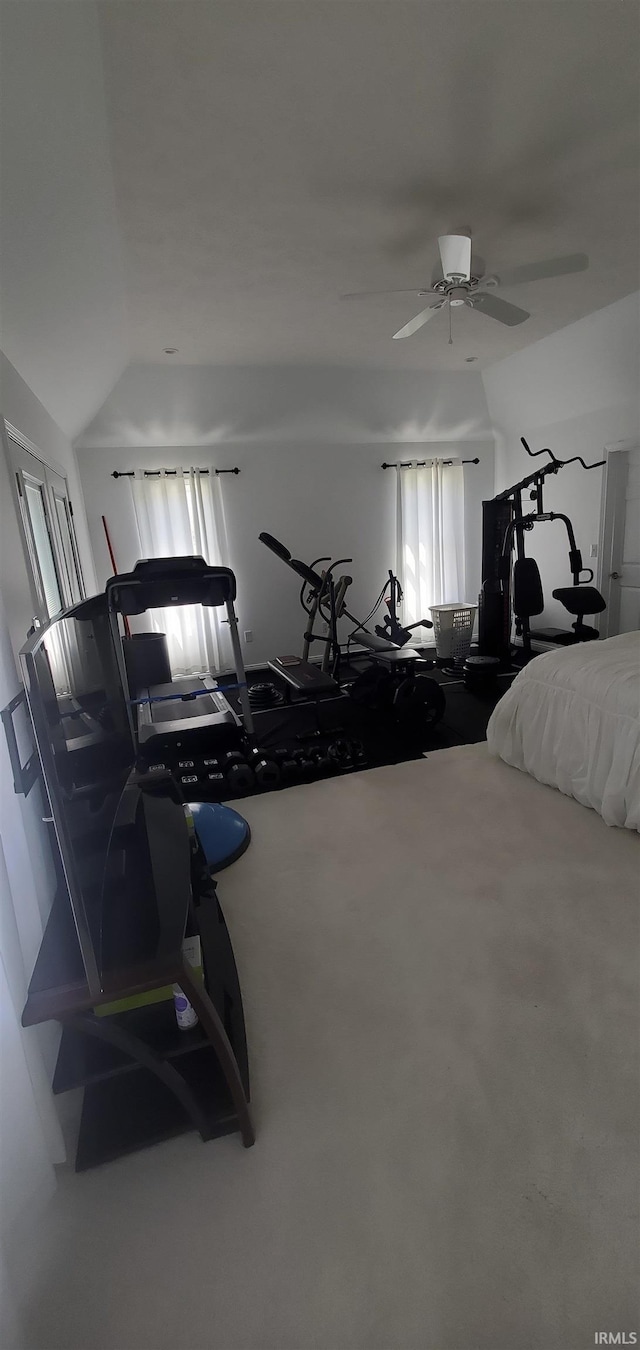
572,719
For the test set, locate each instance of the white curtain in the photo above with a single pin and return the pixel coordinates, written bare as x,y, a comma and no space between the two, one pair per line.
430,536
178,514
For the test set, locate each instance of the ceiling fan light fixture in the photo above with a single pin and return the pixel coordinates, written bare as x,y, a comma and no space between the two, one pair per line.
455,255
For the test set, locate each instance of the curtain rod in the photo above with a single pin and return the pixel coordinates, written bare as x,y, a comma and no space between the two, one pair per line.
420,463
169,473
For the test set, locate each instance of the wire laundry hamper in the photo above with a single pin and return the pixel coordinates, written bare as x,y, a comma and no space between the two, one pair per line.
452,629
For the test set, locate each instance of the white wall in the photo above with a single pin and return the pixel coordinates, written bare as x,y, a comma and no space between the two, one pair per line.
577,392
61,295
205,405
21,409
31,1136
309,444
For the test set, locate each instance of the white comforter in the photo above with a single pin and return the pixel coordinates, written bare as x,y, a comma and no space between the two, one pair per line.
572,719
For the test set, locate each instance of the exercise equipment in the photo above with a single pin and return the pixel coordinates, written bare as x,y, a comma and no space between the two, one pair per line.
480,673
239,775
265,769
391,629
190,712
264,694
393,687
223,833
514,587
301,676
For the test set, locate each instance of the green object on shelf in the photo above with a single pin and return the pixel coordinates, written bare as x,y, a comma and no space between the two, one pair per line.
135,1001
191,949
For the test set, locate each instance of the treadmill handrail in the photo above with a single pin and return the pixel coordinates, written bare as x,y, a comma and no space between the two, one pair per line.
157,583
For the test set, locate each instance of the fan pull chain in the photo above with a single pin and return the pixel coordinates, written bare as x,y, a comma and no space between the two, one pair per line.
450,337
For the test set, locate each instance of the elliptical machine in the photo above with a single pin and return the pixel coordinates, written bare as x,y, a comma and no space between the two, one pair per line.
392,686
510,585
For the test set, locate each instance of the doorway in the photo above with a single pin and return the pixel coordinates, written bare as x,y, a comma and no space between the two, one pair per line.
619,570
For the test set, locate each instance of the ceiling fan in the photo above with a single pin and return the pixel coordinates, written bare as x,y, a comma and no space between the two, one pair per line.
459,286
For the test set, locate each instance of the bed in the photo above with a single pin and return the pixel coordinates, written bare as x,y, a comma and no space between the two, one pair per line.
572,719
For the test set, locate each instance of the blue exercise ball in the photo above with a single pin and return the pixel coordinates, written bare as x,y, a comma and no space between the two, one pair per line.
223,833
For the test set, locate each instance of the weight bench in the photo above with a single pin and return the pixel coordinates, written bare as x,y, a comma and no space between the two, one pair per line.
302,676
383,649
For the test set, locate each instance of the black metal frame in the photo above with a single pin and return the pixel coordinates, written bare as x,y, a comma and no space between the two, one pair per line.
24,775
495,606
169,473
420,463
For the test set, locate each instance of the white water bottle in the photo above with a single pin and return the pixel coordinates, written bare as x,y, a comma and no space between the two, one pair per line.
186,1015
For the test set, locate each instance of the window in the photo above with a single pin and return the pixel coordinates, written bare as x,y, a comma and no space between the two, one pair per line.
430,536
179,512
48,534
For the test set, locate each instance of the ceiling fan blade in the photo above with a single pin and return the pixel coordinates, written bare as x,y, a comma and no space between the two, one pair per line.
420,319
553,267
455,255
496,308
409,290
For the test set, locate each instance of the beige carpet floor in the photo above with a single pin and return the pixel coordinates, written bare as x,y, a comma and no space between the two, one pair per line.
440,969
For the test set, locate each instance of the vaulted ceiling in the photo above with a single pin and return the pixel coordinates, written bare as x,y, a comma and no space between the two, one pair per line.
212,175
270,156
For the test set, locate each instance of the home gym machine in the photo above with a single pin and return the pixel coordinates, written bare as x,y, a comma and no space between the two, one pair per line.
515,585
392,686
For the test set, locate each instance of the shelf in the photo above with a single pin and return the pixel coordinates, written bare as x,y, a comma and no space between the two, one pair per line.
130,1111
83,1059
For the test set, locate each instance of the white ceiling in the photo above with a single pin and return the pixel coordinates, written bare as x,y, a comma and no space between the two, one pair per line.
61,281
270,156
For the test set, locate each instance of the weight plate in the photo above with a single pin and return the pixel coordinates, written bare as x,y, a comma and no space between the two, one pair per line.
418,703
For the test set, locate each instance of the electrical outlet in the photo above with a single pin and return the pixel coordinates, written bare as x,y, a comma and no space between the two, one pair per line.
248,635
593,551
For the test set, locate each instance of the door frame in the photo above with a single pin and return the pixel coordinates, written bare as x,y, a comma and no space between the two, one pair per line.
612,526
49,468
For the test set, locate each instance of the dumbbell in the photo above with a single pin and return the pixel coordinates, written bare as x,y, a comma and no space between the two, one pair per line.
357,752
304,763
289,771
239,775
320,759
265,768
340,753
212,777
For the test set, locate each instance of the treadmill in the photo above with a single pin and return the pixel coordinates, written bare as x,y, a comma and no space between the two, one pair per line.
186,711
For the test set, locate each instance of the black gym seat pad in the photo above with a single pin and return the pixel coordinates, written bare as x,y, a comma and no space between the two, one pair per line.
580,599
302,676
307,573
